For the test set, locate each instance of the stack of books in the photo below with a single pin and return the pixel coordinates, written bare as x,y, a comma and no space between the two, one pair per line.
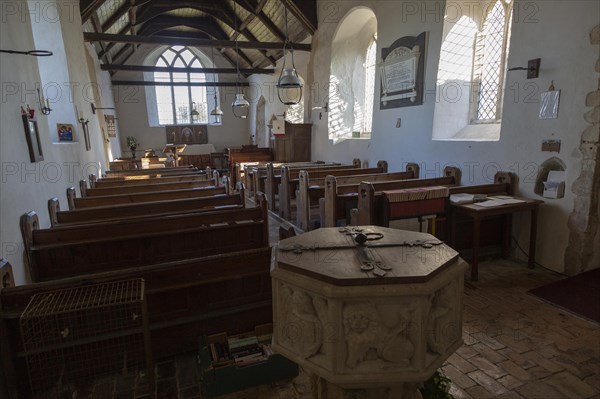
240,350
246,350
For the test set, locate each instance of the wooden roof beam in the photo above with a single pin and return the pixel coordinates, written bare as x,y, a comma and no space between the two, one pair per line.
137,39
148,68
194,84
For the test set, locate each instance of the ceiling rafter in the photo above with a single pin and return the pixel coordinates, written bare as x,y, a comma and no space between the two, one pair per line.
88,8
223,15
117,15
252,27
98,28
247,34
305,12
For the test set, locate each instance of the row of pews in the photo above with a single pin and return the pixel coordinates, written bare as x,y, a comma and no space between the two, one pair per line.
323,194
186,242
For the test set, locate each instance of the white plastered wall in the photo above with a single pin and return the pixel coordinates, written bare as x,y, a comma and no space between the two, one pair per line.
556,32
26,186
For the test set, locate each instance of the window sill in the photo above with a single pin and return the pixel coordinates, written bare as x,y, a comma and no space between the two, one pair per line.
475,132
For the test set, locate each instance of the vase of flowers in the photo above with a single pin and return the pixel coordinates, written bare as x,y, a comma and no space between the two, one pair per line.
132,144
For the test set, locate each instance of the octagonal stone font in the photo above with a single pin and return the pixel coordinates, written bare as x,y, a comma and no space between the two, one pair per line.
367,307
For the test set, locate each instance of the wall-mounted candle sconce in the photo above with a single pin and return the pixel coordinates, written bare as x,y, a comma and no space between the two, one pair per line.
533,68
86,133
44,104
94,108
324,108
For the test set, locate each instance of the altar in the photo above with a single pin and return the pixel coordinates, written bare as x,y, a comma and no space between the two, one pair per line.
367,308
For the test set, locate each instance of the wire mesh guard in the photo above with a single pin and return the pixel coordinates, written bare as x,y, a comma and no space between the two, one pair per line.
81,333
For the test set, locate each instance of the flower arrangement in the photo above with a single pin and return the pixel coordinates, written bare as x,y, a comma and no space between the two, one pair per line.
132,143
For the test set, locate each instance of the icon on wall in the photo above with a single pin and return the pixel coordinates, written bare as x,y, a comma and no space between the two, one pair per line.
187,134
66,132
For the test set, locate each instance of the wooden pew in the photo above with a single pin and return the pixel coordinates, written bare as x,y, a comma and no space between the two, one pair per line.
119,182
88,202
340,199
375,209
128,211
271,179
144,188
311,190
160,171
185,299
254,174
248,153
87,248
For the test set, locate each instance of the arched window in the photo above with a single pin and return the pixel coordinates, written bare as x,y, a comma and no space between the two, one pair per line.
352,76
370,64
471,75
176,103
489,66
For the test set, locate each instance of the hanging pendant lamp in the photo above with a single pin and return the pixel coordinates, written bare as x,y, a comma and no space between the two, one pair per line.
216,111
289,85
240,105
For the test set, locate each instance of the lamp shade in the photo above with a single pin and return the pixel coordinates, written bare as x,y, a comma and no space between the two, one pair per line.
240,101
289,87
289,79
216,111
241,105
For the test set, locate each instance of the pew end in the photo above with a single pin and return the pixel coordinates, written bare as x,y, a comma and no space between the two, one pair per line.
383,165
507,178
83,188
6,274
93,179
454,172
414,168
241,189
356,162
364,214
71,195
28,223
53,209
225,182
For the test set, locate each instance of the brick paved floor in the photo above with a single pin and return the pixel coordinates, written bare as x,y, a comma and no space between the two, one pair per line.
515,346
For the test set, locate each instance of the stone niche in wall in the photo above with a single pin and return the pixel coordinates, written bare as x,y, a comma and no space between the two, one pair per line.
551,164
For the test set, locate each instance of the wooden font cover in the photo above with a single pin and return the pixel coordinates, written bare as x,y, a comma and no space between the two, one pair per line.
388,256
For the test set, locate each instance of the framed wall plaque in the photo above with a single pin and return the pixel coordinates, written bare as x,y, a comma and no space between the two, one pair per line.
402,72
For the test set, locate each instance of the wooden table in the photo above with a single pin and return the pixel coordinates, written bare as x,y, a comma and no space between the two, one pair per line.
478,213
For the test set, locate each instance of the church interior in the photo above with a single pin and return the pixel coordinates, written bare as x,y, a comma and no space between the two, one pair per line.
408,194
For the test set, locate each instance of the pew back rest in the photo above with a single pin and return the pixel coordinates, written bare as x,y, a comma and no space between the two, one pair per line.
75,203
86,215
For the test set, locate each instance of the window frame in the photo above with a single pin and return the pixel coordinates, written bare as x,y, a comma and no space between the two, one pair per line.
373,68
178,55
507,6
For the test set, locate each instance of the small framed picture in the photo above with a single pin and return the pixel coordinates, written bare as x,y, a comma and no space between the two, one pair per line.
65,132
549,101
